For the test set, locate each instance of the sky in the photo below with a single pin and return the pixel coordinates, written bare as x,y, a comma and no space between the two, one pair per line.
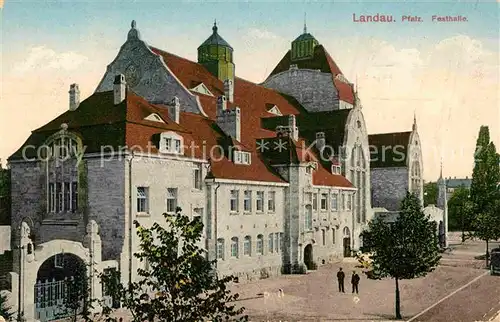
446,73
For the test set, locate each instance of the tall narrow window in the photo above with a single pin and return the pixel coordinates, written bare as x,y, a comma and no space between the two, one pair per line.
220,248
276,242
247,246
168,144
260,201
59,196
308,218
234,200
247,202
323,236
67,196
142,199
349,201
171,200
282,242
74,196
315,201
260,244
333,236
271,242
271,201
335,200
234,247
52,197
324,201
177,146
197,177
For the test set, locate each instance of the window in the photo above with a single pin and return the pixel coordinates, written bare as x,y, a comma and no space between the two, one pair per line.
315,201
247,246
323,236
282,241
177,146
271,240
171,199
59,261
74,196
333,236
271,201
220,248
170,142
234,200
142,199
247,202
59,197
276,242
335,201
308,218
336,169
349,201
197,177
260,245
324,202
241,157
234,247
260,201
52,197
67,196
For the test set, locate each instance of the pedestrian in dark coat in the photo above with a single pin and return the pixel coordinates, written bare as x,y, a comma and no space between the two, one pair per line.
340,279
355,282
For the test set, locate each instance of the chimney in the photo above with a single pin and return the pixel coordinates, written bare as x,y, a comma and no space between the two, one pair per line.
229,120
174,110
320,140
229,89
74,97
221,104
294,131
119,89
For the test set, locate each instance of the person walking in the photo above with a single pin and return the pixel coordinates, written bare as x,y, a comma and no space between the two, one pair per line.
355,282
340,279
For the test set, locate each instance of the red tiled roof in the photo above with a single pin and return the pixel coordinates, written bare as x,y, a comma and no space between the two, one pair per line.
324,62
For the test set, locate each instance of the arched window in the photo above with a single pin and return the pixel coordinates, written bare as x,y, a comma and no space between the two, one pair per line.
234,247
220,248
61,154
247,246
260,244
271,243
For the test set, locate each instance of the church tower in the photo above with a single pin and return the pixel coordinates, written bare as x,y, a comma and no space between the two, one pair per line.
303,45
441,200
217,56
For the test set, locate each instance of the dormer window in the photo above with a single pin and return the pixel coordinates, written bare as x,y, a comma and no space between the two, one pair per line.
171,142
336,169
154,117
273,109
241,157
202,89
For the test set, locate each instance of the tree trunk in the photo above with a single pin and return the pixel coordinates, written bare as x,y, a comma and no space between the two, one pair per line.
398,304
487,254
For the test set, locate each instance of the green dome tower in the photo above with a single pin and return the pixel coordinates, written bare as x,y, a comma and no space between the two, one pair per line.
217,56
303,46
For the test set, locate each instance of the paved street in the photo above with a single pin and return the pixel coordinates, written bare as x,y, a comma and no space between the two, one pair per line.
315,297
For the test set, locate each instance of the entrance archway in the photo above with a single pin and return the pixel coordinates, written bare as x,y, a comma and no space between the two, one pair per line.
347,242
308,256
61,287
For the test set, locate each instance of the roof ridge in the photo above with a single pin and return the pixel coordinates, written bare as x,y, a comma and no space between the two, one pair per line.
387,133
167,52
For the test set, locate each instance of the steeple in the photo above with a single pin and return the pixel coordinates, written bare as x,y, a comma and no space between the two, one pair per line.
217,55
442,198
414,127
303,45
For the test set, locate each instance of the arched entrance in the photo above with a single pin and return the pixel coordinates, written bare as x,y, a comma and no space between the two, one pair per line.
308,256
61,287
347,242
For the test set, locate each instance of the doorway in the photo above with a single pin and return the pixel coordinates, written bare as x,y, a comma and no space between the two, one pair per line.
347,242
308,256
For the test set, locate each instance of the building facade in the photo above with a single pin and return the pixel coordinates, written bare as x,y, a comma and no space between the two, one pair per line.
279,172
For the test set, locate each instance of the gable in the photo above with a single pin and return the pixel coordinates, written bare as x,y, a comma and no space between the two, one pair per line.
273,109
202,89
154,117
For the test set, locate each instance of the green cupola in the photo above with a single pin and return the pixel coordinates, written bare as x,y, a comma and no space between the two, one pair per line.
303,46
217,56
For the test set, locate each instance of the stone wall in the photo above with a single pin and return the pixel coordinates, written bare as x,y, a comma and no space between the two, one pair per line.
313,89
389,187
